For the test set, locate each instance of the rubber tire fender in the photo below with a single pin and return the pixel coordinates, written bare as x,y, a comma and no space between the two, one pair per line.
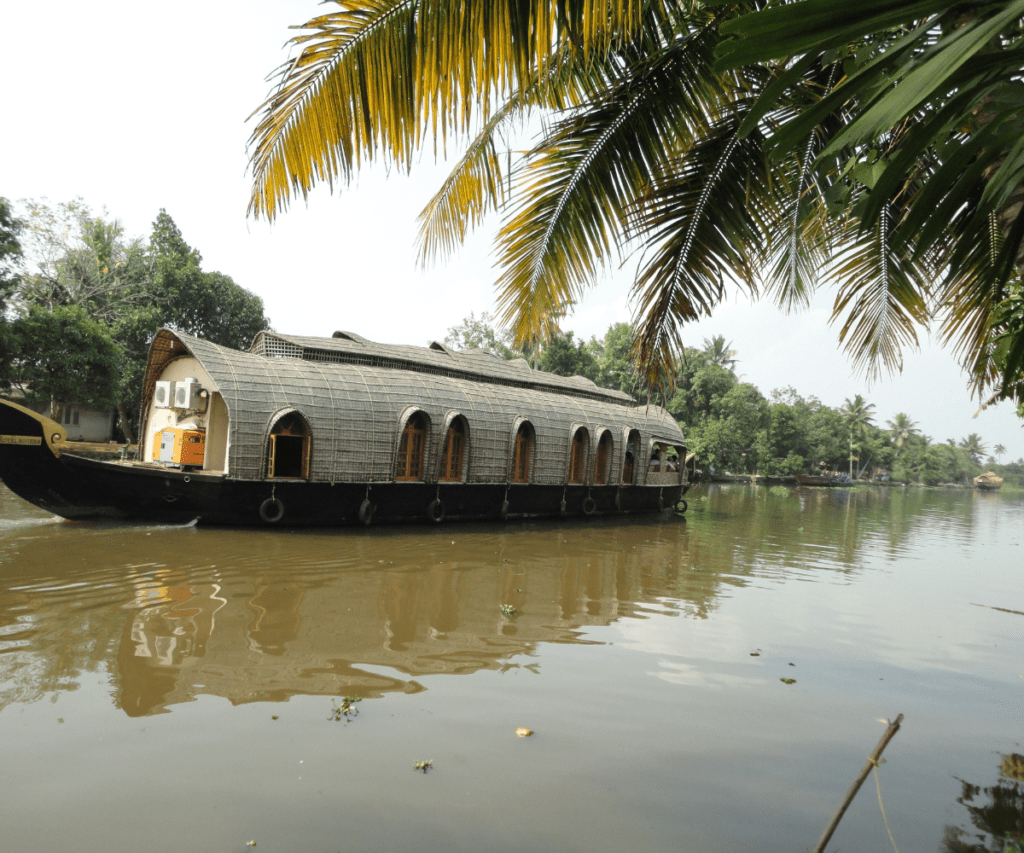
266,512
366,511
682,506
436,510
589,505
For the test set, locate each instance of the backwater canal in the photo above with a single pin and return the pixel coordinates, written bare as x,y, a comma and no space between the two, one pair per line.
182,689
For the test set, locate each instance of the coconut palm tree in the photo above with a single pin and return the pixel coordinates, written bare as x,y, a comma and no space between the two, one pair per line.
872,143
998,452
719,352
901,428
859,415
974,446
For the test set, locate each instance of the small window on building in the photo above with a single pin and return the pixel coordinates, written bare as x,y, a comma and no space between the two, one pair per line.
411,449
288,456
74,418
603,459
578,455
454,451
523,451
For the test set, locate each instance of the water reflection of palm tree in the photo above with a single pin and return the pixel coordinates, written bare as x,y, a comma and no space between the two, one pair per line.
1000,821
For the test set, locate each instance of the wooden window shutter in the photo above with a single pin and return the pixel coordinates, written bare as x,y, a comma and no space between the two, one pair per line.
454,446
604,447
521,460
411,450
578,456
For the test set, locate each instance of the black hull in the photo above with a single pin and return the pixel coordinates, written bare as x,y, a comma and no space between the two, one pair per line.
77,488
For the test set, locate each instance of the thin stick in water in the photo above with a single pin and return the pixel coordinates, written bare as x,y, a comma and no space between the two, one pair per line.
872,761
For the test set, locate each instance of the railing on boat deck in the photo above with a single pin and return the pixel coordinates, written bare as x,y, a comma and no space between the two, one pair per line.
664,478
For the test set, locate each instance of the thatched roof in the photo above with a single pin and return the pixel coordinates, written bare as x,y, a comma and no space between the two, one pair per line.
350,348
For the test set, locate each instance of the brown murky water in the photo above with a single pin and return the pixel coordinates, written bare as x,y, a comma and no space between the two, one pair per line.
182,689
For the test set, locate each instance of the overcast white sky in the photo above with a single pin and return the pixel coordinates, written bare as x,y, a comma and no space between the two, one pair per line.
137,106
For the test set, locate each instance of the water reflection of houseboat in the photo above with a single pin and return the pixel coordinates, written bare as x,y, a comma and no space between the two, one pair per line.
334,431
370,631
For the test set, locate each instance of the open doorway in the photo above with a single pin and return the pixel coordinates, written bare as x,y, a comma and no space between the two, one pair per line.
288,456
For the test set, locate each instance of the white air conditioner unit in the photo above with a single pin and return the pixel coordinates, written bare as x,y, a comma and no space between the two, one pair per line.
187,394
164,396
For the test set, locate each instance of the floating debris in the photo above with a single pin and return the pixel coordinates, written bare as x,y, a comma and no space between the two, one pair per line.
345,709
508,610
522,731
423,765
788,680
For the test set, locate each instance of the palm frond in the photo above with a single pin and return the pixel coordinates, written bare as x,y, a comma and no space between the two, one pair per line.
376,75
709,218
473,189
580,183
350,90
476,186
884,296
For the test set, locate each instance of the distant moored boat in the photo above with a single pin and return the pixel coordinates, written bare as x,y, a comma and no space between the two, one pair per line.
989,481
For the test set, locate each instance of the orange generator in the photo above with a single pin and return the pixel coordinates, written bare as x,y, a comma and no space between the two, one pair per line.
180,447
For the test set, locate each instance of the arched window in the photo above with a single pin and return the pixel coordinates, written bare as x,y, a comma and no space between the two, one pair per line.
411,448
657,456
523,451
578,455
288,454
454,452
629,460
603,458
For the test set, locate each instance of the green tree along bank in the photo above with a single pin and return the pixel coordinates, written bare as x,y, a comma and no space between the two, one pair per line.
733,427
80,302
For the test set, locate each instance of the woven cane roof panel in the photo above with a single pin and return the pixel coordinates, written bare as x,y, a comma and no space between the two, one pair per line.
348,348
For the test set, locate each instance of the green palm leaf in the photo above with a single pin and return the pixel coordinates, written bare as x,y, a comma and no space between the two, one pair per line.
711,215
375,76
579,185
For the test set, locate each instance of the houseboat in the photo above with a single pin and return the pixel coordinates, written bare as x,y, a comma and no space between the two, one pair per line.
990,481
303,431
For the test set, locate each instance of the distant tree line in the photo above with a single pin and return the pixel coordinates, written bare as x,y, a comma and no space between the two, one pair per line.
80,301
733,427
